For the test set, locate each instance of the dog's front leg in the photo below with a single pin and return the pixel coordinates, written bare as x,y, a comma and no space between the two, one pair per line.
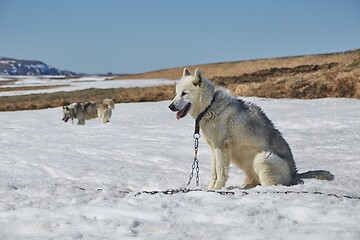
213,168
222,168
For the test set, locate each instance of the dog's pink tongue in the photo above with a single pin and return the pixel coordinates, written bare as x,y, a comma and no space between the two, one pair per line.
183,111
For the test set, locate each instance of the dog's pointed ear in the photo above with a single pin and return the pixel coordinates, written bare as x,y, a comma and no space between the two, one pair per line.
198,78
186,72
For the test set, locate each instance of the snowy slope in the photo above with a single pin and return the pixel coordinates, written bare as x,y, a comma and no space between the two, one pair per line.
50,172
73,84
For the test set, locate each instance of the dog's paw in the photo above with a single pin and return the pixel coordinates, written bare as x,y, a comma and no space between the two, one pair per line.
219,185
211,185
248,186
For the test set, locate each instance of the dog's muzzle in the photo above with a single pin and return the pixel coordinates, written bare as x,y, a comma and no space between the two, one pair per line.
66,118
173,108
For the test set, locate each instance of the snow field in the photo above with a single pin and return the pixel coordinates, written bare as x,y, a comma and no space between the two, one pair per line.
73,84
51,173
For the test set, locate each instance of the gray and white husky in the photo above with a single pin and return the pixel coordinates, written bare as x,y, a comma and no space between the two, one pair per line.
88,110
239,132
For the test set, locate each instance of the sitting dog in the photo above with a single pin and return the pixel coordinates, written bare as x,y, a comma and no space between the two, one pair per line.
237,131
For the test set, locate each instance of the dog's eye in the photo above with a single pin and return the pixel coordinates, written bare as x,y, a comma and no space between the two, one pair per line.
183,93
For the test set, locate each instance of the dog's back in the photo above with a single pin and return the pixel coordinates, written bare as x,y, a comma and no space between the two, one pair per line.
87,110
259,123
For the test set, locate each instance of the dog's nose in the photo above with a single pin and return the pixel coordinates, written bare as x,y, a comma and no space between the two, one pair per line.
172,107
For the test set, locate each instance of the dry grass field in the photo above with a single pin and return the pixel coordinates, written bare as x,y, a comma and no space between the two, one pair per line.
119,95
311,76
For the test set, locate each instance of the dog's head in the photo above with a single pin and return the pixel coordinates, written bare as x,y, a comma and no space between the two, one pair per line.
191,90
68,112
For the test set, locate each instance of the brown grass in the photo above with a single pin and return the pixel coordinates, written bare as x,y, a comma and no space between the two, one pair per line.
119,95
227,69
313,76
312,81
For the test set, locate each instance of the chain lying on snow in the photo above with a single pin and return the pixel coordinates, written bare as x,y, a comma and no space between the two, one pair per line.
295,192
170,191
183,190
223,192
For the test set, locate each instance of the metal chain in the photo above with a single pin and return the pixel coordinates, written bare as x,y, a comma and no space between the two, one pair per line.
168,191
195,164
222,192
183,190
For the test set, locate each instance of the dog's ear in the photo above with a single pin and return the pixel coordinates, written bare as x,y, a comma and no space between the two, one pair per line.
66,107
198,78
186,72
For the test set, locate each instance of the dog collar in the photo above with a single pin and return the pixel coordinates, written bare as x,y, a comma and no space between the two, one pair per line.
200,116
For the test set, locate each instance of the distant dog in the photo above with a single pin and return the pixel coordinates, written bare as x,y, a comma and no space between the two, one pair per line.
237,131
88,110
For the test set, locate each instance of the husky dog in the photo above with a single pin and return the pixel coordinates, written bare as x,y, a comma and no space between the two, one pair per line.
239,132
88,110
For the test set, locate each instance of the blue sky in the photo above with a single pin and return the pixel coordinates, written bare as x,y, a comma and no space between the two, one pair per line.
119,36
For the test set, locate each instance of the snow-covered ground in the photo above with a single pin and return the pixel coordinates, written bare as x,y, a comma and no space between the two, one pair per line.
72,84
51,171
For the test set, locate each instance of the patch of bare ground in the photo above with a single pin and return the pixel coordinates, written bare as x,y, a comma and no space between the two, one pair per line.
312,76
307,81
6,82
119,95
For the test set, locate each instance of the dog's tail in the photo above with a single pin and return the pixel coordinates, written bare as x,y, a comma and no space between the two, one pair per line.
317,174
109,103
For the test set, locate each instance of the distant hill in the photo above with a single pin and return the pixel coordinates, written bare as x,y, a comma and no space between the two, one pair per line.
239,68
308,76
11,66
